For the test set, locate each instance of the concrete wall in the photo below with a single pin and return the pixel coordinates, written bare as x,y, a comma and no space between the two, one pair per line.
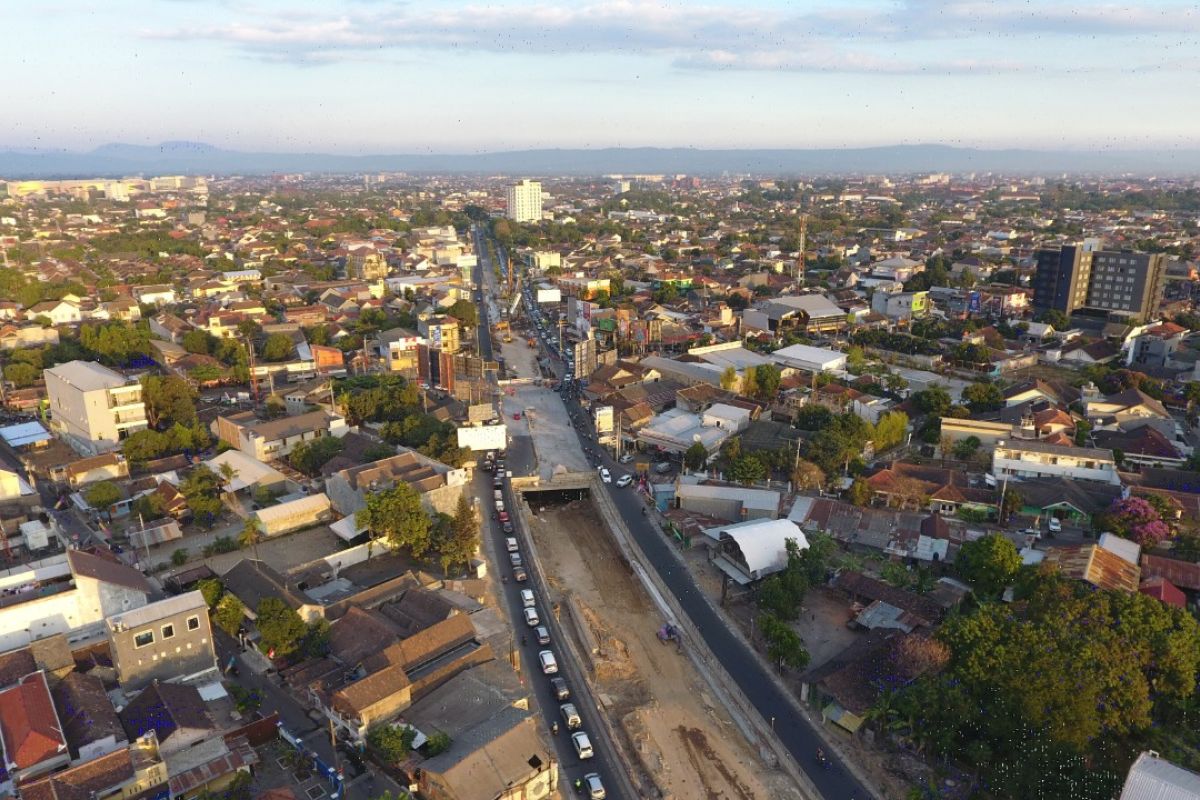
186,652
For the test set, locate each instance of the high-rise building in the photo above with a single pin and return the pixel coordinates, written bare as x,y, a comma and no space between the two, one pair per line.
525,201
1083,276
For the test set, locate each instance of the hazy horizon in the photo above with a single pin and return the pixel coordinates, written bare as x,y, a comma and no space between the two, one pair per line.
380,77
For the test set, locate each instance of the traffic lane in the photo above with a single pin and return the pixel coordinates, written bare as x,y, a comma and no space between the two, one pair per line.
793,731
524,643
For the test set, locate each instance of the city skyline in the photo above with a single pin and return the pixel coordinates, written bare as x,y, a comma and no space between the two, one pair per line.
384,77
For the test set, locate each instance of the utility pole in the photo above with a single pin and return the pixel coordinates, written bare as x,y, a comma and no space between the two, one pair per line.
253,377
803,242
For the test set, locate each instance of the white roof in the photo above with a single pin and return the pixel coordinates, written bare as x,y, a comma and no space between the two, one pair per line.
1154,778
761,499
24,433
763,542
347,527
250,471
313,503
88,376
737,357
1123,548
815,305
808,355
152,612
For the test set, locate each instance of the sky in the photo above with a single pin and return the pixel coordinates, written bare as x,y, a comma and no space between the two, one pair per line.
412,76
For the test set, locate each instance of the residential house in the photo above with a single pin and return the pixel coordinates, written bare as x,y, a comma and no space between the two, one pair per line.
439,485
59,312
173,712
1033,459
273,439
752,550
104,467
734,503
168,640
89,720
30,732
130,772
1099,566
93,406
13,337
1152,777
69,594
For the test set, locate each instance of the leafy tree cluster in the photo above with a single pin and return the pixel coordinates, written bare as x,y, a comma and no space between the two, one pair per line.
838,442
393,742
458,539
169,400
309,457
983,397
280,628
397,515
896,342
1053,695
116,343
228,614
150,444
782,593
202,489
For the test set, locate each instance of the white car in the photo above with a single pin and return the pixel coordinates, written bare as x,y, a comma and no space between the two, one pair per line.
527,598
626,458
531,618
595,787
1055,525
549,664
624,481
583,745
605,475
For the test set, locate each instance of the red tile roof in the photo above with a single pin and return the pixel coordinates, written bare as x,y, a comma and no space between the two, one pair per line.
29,723
1163,590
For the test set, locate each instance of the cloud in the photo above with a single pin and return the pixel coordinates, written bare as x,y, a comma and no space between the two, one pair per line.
709,36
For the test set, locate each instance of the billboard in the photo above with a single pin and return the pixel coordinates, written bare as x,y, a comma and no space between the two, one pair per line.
483,437
480,412
604,419
549,296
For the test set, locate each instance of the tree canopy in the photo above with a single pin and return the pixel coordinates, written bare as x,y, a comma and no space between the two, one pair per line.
397,515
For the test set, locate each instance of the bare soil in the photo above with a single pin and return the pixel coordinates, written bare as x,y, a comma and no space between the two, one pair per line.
686,742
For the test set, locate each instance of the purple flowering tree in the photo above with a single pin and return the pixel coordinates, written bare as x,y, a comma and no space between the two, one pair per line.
1135,518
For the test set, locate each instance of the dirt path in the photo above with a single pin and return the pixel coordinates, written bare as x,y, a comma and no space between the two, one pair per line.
687,744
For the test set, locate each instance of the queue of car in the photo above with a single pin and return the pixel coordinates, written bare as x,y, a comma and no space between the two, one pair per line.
591,784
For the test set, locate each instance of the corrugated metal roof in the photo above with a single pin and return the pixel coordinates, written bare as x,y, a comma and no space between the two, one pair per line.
1154,778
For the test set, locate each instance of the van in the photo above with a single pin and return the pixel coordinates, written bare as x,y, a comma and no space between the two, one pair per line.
549,663
510,544
570,716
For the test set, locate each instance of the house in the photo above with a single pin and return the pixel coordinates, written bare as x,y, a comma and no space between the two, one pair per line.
923,486
252,581
1163,591
1072,501
168,640
286,516
169,327
1131,404
1152,777
248,473
901,306
810,313
131,771
30,731
273,439
1144,445
1155,346
752,550
1183,574
485,712
104,467
174,713
155,295
59,312
13,336
1032,459
89,721
734,503
810,359
69,594
439,485
93,407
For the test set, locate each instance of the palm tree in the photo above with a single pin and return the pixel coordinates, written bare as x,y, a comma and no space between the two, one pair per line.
252,533
227,472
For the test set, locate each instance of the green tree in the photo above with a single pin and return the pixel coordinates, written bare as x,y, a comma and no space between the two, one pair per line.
212,589
279,626
1011,504
277,347
275,407
856,360
21,375
989,564
890,431
462,539
813,417
169,400
251,534
392,741
695,456
202,489
309,457
784,645
747,469
1055,319
965,448
767,378
934,401
227,472
397,515
315,643
807,476
859,493
983,397
200,342
729,379
102,496
229,614
179,556
438,743
465,312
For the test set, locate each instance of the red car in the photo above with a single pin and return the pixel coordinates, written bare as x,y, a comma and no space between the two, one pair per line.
504,516
517,415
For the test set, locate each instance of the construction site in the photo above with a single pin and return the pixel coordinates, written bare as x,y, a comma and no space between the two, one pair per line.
676,735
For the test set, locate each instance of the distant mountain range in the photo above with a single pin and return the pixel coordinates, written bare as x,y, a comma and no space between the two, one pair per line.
196,158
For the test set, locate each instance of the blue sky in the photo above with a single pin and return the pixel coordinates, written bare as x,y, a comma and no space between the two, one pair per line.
384,76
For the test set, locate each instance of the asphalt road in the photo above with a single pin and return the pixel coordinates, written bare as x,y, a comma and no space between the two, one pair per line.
523,645
794,732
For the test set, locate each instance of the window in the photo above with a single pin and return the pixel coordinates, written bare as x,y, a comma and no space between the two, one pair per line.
143,639
168,631
193,623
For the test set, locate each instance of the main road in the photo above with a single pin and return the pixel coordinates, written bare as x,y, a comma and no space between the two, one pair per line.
794,731
523,642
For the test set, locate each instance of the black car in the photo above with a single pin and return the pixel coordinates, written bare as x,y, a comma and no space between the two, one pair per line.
560,689
520,575
507,527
